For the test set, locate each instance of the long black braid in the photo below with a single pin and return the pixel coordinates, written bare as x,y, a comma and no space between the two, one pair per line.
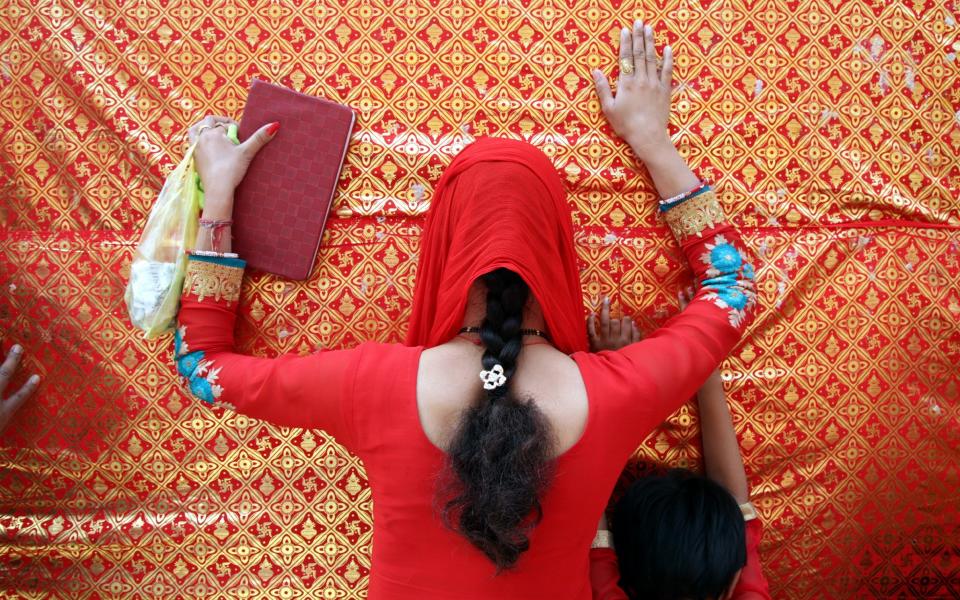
501,454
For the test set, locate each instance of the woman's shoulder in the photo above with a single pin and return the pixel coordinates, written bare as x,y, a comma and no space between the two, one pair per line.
387,348
610,377
379,352
603,364
382,361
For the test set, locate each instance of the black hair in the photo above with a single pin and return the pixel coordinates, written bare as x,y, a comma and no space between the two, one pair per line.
678,536
500,457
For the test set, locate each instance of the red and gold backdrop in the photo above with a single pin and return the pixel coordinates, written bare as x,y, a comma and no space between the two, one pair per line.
830,127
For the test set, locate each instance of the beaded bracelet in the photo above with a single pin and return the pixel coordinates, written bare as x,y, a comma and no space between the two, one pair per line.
684,195
602,539
210,253
703,190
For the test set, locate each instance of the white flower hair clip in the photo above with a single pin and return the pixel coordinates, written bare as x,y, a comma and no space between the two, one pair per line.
493,378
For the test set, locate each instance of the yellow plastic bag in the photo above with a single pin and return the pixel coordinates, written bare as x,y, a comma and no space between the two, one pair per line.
160,262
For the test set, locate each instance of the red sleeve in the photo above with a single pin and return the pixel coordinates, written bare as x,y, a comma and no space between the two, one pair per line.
604,575
294,391
676,359
752,585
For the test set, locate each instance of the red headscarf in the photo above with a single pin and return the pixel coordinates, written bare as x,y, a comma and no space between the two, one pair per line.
499,204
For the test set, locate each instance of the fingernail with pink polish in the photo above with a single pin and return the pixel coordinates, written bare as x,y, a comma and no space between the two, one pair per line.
273,127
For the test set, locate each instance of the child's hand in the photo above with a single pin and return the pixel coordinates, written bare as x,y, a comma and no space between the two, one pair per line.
11,404
611,334
686,296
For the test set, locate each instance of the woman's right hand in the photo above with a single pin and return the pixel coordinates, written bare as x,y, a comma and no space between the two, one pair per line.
221,163
640,110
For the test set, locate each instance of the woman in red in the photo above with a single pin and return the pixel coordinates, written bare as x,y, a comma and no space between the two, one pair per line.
492,438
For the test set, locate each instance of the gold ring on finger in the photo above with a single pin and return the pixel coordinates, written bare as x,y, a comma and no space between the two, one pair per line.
205,127
626,66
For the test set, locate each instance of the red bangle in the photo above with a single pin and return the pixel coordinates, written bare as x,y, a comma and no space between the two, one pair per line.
217,227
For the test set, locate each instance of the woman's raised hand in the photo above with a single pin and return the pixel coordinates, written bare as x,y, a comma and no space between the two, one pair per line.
221,163
641,107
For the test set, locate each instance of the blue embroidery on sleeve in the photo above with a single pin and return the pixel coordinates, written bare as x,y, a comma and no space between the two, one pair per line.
725,258
197,372
729,279
201,389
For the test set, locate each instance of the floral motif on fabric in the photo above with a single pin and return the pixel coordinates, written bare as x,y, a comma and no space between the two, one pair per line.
694,216
207,279
729,279
198,373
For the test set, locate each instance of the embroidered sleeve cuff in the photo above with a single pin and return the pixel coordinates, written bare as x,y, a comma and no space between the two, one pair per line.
695,215
198,373
214,277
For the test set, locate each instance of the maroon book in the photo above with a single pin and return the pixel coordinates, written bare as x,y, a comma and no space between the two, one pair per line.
281,206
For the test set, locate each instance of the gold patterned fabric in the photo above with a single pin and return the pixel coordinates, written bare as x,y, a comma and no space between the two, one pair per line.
829,129
206,279
694,216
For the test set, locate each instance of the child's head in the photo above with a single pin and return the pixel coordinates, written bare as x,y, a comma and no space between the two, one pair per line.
679,536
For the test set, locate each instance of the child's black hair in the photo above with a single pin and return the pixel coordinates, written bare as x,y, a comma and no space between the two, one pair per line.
678,536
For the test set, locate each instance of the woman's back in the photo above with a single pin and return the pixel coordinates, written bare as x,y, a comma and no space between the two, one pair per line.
415,554
447,384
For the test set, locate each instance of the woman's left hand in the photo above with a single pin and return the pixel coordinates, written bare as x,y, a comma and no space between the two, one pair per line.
641,108
221,163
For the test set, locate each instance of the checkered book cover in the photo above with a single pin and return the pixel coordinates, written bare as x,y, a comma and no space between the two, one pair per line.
282,204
